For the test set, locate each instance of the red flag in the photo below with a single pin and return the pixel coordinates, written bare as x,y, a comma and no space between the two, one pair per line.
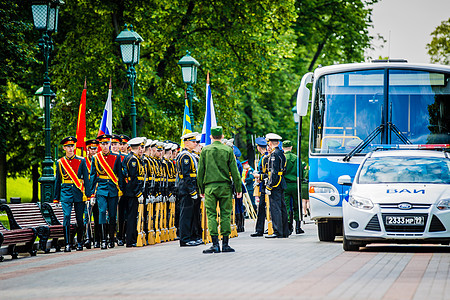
81,125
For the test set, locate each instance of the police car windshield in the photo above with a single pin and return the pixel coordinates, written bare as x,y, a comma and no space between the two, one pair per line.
405,170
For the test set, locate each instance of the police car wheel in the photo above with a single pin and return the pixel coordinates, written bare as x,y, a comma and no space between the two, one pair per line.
349,246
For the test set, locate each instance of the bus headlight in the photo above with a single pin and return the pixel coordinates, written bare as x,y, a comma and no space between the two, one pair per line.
443,204
359,202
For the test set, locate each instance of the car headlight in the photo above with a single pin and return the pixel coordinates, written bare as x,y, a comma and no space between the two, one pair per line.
359,202
443,204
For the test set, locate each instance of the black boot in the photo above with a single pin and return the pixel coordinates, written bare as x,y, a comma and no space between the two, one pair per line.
215,248
242,222
112,235
291,228
97,235
225,246
88,241
298,229
103,237
79,238
68,246
238,223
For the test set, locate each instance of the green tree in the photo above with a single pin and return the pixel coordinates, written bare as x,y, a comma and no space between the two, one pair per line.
439,47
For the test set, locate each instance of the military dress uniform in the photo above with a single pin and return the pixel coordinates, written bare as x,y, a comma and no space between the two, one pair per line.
71,187
106,175
91,210
216,163
123,202
187,190
262,176
275,187
134,173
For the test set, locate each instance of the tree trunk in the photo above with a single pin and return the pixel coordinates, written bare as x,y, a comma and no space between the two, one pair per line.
35,177
3,175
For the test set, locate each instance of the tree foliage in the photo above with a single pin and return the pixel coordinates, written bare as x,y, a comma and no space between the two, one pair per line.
255,51
439,47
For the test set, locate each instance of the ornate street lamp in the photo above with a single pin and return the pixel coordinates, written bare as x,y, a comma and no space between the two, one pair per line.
45,18
189,67
130,48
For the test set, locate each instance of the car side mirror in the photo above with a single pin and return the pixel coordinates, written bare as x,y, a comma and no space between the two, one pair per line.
345,180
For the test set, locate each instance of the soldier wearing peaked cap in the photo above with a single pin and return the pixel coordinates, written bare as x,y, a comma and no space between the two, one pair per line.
216,163
291,191
123,202
187,189
106,175
261,175
275,187
124,145
91,149
134,173
71,187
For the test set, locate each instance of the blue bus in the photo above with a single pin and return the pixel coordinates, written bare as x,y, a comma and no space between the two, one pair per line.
355,106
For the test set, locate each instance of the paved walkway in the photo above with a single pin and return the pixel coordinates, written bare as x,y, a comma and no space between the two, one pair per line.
300,267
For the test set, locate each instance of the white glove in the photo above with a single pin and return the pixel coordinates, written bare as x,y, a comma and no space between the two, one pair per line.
257,200
172,198
141,199
255,174
93,200
195,197
268,192
147,201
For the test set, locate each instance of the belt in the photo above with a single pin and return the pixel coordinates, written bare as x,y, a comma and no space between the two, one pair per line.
171,179
190,175
139,178
67,181
103,177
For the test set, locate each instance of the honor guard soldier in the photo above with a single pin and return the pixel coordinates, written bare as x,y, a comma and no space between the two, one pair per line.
123,203
106,175
260,175
115,143
291,191
134,172
217,163
275,187
187,189
91,209
71,188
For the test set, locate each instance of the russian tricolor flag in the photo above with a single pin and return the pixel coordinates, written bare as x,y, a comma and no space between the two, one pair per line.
106,124
210,116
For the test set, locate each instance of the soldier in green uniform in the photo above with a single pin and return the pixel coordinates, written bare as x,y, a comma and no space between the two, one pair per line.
291,191
216,164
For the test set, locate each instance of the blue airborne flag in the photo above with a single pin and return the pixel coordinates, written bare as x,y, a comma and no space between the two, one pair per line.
186,120
210,116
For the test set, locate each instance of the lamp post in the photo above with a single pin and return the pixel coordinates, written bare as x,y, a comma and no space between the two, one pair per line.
130,48
189,67
298,123
45,18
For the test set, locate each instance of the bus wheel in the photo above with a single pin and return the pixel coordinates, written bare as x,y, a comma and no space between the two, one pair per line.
348,246
327,231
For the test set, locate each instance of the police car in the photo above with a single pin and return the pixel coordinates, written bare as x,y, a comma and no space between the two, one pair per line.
398,196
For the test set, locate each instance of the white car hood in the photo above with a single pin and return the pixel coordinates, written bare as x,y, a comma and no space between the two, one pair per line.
402,192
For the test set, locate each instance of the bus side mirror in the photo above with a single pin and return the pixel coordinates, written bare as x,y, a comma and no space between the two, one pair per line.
345,180
303,95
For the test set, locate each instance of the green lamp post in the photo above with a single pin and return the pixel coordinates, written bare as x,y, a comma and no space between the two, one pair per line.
45,18
130,48
189,67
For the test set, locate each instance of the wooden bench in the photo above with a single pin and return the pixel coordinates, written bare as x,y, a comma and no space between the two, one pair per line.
56,216
18,241
28,215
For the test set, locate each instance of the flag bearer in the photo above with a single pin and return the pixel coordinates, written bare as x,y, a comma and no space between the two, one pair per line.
71,187
106,174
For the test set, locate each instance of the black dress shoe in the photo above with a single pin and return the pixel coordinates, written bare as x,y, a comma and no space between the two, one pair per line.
67,248
189,244
266,231
96,244
256,234
131,245
199,241
79,247
120,243
299,231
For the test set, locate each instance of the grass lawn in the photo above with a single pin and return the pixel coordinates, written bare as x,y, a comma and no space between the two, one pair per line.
19,187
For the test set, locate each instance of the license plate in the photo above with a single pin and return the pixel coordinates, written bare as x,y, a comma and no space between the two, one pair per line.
405,220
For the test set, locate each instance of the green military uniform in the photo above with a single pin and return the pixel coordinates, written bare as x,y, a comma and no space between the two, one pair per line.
216,164
291,191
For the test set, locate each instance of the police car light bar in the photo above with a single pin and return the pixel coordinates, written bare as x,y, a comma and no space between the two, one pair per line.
410,147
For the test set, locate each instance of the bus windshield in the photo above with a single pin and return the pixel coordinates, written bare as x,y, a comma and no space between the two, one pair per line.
350,106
